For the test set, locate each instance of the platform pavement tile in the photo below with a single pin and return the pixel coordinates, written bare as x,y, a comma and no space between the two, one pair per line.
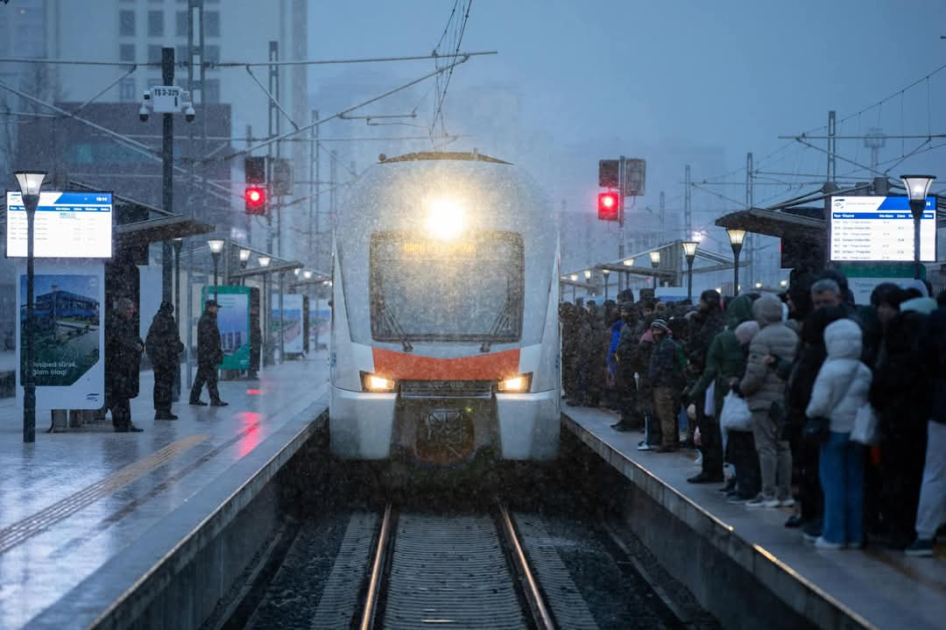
893,590
38,571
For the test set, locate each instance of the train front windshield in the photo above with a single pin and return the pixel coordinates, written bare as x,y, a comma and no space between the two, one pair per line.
468,289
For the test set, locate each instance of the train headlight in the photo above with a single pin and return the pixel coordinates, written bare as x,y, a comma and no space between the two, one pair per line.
445,218
377,384
515,385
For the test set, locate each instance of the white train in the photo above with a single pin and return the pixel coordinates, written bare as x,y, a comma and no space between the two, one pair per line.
445,334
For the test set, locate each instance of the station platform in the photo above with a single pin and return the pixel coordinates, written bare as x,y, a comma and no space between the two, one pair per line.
87,517
870,588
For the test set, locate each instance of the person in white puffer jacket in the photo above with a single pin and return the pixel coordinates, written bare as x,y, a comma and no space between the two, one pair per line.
840,390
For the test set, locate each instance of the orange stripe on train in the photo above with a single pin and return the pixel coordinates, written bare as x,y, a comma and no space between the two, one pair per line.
487,367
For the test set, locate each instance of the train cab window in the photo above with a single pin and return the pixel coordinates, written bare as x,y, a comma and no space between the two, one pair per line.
470,289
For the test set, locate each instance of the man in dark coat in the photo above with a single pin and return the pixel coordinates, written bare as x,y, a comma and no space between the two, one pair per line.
209,356
709,323
123,348
164,348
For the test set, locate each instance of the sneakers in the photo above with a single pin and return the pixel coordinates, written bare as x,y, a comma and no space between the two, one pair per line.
789,502
620,427
198,403
821,543
734,498
761,502
729,487
810,538
921,548
644,446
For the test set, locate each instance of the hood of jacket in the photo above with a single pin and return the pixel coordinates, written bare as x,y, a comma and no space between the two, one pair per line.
739,310
843,339
767,310
922,305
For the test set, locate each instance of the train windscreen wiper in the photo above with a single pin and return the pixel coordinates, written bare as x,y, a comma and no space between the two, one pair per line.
502,321
395,326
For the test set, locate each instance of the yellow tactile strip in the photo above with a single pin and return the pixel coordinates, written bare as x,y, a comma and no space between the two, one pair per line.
21,531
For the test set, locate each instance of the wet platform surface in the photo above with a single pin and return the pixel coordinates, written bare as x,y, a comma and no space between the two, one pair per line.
73,502
879,588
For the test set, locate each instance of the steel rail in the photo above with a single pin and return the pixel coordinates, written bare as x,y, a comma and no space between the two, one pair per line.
540,612
377,571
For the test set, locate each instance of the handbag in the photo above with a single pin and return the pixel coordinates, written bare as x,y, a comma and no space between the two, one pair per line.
735,415
866,426
709,404
819,427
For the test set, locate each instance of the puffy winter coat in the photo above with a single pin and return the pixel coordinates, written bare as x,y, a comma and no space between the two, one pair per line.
932,347
761,385
725,358
843,381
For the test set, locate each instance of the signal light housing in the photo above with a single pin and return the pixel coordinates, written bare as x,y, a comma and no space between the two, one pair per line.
255,197
609,206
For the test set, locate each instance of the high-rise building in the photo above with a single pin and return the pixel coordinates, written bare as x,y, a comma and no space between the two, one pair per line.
134,32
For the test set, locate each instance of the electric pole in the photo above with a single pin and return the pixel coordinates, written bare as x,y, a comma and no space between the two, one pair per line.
750,238
167,158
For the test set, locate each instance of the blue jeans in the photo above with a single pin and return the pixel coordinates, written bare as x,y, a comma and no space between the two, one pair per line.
841,471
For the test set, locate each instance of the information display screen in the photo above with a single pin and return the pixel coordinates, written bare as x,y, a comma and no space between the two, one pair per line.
66,225
880,229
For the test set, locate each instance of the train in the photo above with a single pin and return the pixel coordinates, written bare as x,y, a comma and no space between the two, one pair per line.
445,334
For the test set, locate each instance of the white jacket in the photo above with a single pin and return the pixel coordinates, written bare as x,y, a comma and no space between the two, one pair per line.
843,381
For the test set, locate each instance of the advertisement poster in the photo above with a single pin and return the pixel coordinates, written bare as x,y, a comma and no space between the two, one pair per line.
68,337
233,320
320,322
292,333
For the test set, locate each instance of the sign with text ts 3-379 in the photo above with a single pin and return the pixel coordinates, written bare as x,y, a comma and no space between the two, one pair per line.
66,225
880,229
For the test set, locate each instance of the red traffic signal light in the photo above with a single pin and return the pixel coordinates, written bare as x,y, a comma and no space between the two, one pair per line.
255,198
609,206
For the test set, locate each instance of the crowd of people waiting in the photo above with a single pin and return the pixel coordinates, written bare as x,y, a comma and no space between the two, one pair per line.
802,368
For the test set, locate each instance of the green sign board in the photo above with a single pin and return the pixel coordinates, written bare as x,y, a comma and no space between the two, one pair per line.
233,320
863,277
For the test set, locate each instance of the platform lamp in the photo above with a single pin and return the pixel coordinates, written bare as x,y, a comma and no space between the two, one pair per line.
574,279
265,309
216,246
736,237
607,277
628,262
689,250
30,184
918,187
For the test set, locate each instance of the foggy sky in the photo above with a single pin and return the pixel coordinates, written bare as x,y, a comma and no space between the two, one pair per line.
601,78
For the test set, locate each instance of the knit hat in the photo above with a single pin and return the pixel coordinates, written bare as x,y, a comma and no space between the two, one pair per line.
659,323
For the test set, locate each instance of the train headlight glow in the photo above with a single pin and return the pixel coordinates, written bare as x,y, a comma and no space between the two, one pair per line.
516,384
377,384
445,218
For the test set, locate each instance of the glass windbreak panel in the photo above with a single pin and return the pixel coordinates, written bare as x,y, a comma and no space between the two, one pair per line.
469,289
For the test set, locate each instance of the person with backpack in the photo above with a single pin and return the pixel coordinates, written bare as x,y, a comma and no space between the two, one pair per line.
667,378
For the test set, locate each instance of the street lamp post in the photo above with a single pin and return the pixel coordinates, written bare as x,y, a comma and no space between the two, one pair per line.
178,244
689,250
607,278
628,262
216,246
736,237
574,279
30,184
265,311
918,187
654,264
244,259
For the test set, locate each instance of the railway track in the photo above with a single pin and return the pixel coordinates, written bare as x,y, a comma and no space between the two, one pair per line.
409,569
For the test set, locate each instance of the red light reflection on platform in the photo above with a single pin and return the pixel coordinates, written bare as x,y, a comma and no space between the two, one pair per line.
254,392
251,434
